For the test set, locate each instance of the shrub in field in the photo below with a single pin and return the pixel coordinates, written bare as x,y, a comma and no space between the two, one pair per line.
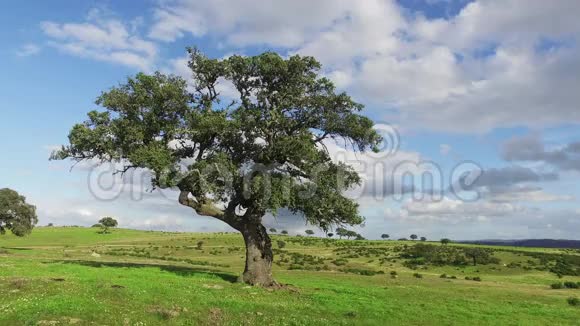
574,301
422,254
417,275
340,262
443,276
199,245
360,271
393,273
571,285
566,265
557,286
477,279
281,244
296,267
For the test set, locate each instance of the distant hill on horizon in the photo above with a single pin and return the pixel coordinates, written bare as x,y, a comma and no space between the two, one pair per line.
541,243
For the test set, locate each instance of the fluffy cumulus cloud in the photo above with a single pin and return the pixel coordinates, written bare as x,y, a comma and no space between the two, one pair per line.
246,22
531,148
384,173
494,64
526,194
454,211
147,211
511,184
102,38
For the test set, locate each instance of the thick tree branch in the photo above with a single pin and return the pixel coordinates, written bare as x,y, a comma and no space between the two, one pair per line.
201,208
228,215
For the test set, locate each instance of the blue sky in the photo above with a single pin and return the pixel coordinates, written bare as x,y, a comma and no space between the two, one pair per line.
491,82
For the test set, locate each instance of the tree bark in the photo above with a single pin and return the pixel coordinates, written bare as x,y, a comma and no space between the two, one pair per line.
259,256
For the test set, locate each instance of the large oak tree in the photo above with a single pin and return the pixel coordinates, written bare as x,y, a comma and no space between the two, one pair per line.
235,160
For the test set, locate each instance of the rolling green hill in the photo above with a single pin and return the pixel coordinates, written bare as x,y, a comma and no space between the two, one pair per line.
61,276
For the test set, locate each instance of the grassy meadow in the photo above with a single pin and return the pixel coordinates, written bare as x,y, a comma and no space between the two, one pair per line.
65,276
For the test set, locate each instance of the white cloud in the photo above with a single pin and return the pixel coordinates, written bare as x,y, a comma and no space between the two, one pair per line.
487,67
444,149
495,64
245,22
528,196
102,38
28,50
383,174
505,21
453,210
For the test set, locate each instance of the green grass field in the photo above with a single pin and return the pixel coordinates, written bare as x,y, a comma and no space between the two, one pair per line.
61,276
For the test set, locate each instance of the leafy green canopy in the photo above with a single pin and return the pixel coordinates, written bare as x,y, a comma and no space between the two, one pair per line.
108,222
261,152
15,214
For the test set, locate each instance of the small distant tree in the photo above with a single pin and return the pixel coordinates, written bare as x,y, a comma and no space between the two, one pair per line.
423,239
107,223
309,232
199,245
330,235
351,234
359,237
477,254
413,237
50,225
272,230
445,241
98,225
341,232
284,232
16,215
384,236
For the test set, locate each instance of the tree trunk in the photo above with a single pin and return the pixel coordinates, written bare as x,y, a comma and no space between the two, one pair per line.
258,270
